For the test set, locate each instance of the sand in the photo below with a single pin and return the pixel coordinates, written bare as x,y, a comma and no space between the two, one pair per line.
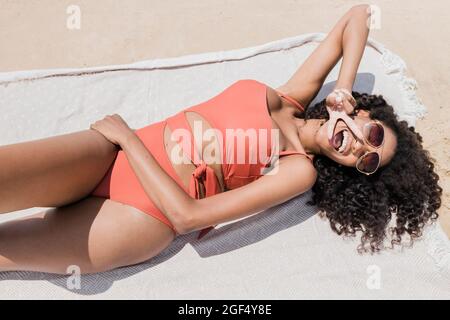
34,35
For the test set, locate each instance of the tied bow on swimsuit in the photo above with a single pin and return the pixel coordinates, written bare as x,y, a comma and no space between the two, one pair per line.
202,174
206,176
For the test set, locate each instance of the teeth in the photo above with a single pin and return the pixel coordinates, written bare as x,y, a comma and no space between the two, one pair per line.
344,142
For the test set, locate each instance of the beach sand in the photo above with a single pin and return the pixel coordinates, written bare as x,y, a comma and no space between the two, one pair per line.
34,35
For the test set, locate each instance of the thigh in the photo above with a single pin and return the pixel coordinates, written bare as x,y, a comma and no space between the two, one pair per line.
54,171
95,234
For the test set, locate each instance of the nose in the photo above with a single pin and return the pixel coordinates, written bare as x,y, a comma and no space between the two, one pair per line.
358,148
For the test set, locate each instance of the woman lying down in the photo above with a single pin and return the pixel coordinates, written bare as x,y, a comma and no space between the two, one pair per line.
120,196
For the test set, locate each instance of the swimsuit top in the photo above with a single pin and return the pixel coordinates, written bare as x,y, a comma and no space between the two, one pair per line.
240,115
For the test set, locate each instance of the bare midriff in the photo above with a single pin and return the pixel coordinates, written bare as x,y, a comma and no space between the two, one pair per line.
185,169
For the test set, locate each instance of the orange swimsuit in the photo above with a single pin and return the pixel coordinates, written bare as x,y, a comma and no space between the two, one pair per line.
242,105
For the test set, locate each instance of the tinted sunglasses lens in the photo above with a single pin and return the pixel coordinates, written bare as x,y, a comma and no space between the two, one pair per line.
369,163
374,133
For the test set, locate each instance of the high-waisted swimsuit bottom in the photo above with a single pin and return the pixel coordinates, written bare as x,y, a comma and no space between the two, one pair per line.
241,106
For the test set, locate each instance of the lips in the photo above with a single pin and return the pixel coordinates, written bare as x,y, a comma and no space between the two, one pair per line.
337,139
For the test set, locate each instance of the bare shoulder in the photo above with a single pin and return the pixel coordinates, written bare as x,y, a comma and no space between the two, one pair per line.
284,89
299,166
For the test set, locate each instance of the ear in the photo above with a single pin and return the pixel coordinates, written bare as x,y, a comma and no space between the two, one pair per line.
362,112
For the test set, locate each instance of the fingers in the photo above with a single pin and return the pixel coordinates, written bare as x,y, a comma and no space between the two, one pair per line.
339,98
107,118
335,116
344,93
331,123
344,104
94,125
340,103
333,100
112,116
348,107
352,126
343,97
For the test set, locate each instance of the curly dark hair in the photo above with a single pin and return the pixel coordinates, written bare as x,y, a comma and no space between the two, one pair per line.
406,188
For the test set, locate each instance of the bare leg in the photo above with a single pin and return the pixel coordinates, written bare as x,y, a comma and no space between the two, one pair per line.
54,171
94,234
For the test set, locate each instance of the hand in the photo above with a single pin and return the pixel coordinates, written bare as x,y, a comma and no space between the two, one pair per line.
340,103
341,99
113,128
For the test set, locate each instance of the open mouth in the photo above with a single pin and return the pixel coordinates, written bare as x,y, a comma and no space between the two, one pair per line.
340,141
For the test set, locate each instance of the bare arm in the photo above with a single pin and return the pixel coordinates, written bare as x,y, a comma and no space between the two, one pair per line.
165,193
188,214
347,39
354,39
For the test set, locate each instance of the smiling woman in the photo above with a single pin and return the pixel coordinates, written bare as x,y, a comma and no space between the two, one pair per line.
367,203
133,208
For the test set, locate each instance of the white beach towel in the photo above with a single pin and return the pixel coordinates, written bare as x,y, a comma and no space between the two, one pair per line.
286,252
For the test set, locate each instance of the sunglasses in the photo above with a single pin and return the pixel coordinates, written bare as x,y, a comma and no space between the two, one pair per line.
369,162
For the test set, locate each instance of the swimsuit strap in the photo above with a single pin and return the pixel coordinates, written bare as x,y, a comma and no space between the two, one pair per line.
290,99
301,108
289,152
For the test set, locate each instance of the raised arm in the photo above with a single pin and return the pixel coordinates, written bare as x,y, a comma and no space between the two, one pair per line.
347,39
